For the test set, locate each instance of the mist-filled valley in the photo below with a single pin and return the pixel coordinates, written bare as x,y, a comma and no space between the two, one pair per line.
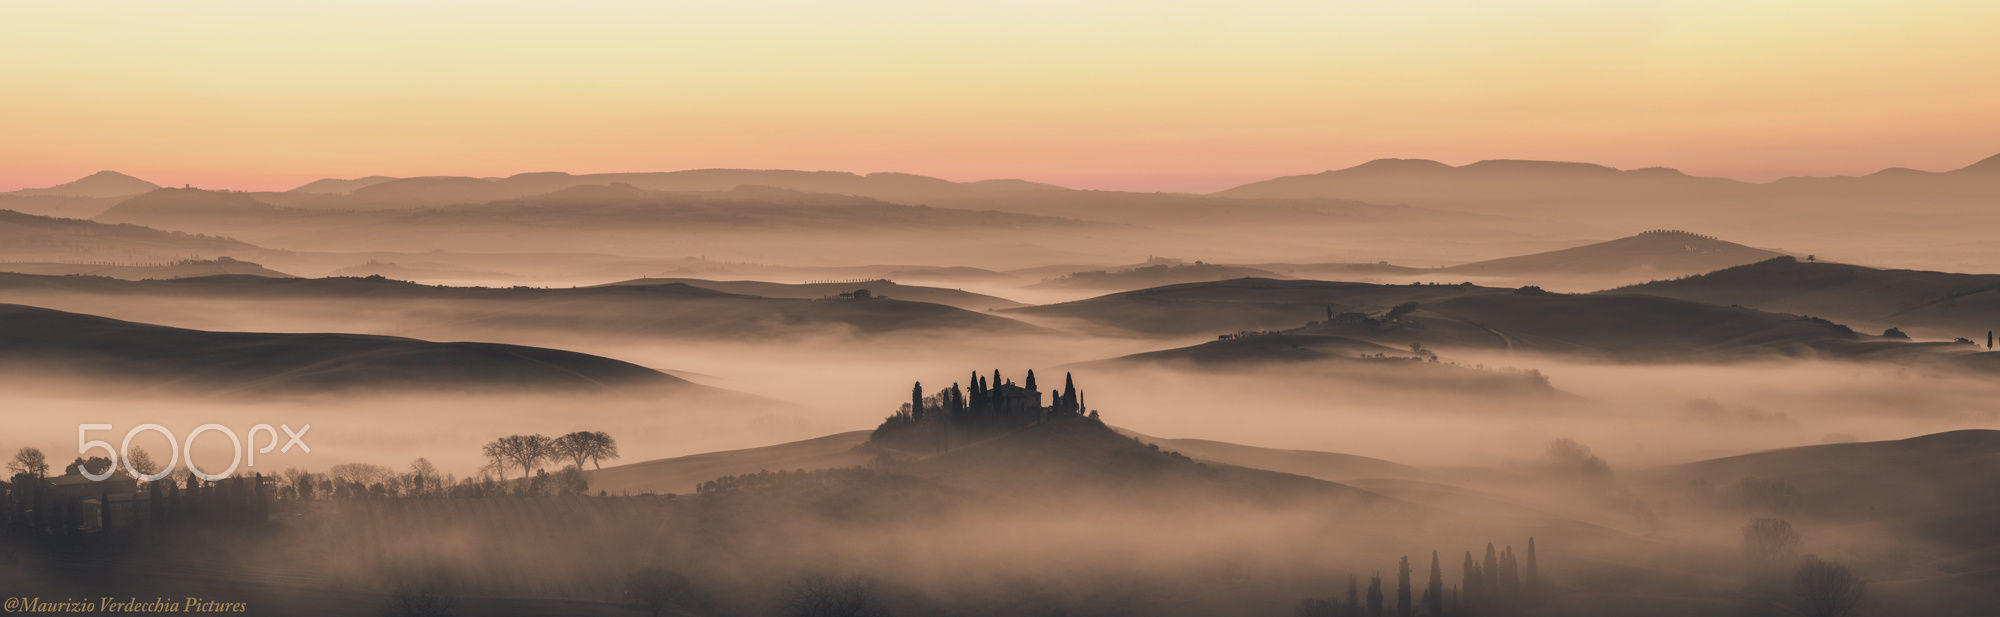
1155,339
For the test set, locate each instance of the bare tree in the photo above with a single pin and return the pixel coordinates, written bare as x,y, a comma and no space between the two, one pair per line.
423,475
29,461
602,448
574,446
523,450
1827,589
142,462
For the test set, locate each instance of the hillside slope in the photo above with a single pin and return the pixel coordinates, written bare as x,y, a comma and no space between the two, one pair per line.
1239,304
1923,303
27,237
1653,253
384,305
883,288
127,355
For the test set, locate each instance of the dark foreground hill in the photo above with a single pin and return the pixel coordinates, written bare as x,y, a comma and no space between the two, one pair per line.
126,355
881,288
384,305
1916,515
1922,303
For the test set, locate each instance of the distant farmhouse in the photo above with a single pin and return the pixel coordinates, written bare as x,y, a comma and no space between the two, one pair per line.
959,415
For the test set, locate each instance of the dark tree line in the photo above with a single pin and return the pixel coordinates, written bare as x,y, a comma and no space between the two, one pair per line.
1501,584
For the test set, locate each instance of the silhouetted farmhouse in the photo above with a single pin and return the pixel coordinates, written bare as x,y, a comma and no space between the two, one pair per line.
957,415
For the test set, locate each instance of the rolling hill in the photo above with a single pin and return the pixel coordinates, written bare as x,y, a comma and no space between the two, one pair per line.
1240,304
1923,303
28,237
384,305
1155,275
883,288
1876,480
1623,327
124,355
185,268
101,184
683,474
1654,253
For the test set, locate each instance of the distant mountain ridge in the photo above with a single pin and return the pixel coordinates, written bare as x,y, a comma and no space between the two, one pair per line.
445,190
1651,196
101,184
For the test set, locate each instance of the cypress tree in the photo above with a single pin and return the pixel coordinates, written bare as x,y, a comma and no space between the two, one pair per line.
1510,574
1532,585
1069,392
1375,596
1030,384
1434,592
917,401
1489,571
1353,597
1471,579
104,510
1403,608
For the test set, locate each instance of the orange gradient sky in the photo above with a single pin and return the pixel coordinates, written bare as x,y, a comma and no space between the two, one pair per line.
1111,94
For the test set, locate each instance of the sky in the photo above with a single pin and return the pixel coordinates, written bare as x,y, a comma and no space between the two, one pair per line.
1146,95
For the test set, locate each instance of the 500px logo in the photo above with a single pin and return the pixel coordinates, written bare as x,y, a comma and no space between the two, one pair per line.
179,449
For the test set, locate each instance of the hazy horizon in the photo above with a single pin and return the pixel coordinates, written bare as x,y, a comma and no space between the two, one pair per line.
1192,96
898,308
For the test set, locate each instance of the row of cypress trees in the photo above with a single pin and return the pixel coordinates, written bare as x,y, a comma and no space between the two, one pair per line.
1497,585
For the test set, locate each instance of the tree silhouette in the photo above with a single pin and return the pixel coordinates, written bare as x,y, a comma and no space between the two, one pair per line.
30,461
1489,574
1531,582
1827,589
601,448
1471,578
574,446
1403,607
1375,596
522,450
1353,597
423,474
142,462
1434,590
